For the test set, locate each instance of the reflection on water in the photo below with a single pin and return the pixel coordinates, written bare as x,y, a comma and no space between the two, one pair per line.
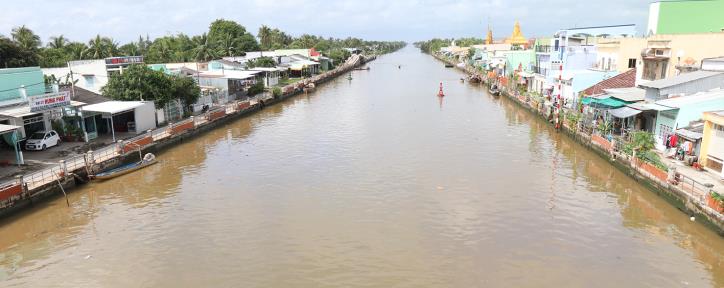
371,182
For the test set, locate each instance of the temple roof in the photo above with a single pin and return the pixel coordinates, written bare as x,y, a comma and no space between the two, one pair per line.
517,37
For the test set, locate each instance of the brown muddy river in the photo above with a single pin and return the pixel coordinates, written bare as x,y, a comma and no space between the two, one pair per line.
371,182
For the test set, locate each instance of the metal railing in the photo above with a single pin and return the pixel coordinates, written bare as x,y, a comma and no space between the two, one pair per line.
161,133
42,177
57,172
692,187
75,163
106,153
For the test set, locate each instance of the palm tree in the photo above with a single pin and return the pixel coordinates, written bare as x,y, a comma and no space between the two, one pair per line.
96,49
265,37
202,51
130,49
25,37
228,45
110,46
76,50
57,42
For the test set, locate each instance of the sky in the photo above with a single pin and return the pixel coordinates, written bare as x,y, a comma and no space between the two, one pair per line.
408,20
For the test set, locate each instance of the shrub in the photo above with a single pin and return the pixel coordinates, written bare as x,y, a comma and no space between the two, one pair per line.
717,197
257,88
276,92
652,158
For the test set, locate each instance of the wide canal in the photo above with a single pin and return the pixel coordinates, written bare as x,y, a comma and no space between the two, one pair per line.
369,182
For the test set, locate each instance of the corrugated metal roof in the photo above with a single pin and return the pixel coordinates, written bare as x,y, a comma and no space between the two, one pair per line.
631,94
648,106
679,102
680,79
624,112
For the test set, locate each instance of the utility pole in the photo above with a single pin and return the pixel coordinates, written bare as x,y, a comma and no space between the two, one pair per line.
72,81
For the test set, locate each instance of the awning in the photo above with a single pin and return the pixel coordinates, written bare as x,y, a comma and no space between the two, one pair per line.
648,106
18,111
7,128
691,135
607,102
623,112
113,107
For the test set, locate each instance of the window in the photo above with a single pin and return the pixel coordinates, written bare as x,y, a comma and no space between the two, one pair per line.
89,81
665,131
632,63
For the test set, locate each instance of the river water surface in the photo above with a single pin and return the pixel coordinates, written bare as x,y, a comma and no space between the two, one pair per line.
373,182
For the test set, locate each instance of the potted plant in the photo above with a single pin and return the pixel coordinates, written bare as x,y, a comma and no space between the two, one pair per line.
715,201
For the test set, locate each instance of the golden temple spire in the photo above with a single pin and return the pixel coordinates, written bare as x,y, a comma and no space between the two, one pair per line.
517,37
489,37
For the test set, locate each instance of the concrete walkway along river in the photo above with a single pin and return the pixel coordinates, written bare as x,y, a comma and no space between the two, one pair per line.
371,182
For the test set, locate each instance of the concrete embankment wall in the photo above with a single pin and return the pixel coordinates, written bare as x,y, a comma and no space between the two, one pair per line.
643,173
23,192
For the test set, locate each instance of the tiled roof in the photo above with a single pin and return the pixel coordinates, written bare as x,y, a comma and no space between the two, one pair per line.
623,80
86,96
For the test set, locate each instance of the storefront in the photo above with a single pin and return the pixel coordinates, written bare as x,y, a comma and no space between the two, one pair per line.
39,112
114,117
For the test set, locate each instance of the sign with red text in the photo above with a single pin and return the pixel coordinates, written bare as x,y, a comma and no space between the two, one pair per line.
49,101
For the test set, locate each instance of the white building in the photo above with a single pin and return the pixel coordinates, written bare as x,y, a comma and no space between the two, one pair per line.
92,75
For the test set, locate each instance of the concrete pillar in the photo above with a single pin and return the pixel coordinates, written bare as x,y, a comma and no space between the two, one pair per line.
19,180
63,167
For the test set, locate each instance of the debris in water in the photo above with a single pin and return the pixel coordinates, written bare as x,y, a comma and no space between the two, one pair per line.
87,257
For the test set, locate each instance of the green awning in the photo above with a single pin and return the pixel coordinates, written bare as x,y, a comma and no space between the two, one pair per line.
608,102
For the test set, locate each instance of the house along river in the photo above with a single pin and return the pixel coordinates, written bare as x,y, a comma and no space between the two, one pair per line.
373,182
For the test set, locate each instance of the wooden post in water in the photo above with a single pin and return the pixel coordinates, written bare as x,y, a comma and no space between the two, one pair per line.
67,202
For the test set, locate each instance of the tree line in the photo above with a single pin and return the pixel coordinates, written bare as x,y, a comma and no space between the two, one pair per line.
434,45
224,38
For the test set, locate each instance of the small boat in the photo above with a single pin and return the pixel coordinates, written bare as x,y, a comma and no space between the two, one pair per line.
148,160
493,90
448,65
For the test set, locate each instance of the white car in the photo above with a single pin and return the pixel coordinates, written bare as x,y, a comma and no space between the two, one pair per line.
42,140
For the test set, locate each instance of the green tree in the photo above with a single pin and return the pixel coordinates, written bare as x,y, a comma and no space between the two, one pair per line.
261,62
202,50
12,55
338,56
76,50
53,57
265,37
57,42
186,90
25,38
110,46
642,141
130,49
228,45
160,51
219,30
96,48
139,82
